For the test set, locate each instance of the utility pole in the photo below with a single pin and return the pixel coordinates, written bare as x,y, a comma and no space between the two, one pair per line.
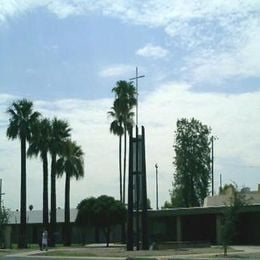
156,172
1,197
136,86
220,181
213,138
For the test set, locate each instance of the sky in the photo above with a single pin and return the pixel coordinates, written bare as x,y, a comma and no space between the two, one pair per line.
200,59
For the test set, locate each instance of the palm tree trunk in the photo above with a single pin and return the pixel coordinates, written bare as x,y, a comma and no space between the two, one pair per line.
45,191
53,200
67,234
120,166
124,173
123,228
23,237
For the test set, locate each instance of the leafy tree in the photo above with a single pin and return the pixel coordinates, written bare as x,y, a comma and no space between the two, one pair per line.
192,163
39,144
149,204
4,218
125,100
167,205
22,118
230,218
60,132
103,212
71,163
226,188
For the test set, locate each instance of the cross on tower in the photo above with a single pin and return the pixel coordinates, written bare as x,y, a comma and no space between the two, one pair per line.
136,86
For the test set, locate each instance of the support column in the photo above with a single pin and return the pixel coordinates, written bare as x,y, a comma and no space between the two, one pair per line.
130,239
218,230
145,241
178,228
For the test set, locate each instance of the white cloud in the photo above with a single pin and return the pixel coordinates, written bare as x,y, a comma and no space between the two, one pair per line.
220,39
11,8
153,51
242,60
116,70
64,9
230,117
227,30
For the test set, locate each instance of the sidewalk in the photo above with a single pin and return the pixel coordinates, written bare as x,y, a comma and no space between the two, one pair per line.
242,250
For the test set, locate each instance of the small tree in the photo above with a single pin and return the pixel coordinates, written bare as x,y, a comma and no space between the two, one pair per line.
167,205
4,217
227,187
231,216
104,212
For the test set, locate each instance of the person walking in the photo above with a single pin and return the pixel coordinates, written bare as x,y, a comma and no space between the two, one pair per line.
45,240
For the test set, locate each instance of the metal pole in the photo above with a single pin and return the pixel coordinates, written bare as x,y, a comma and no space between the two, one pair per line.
136,85
156,171
1,197
212,162
212,165
220,181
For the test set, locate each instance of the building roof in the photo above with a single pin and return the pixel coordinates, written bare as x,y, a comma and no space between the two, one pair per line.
35,216
251,198
173,212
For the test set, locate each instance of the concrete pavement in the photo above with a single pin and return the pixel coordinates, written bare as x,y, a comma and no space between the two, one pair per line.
32,255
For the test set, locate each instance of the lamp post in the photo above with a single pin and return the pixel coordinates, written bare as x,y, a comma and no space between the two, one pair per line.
1,196
156,172
213,138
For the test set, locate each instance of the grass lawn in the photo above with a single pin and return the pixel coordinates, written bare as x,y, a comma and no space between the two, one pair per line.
120,252
214,252
14,250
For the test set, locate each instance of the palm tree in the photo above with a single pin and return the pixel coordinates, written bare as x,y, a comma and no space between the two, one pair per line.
71,163
60,131
22,118
128,123
116,127
125,100
39,144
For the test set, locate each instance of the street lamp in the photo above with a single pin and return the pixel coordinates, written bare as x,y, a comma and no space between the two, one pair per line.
212,139
1,196
156,172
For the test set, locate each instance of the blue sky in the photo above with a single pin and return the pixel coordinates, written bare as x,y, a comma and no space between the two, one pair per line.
200,59
53,57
